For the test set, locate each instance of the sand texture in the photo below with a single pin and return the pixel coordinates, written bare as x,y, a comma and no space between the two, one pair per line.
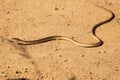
59,60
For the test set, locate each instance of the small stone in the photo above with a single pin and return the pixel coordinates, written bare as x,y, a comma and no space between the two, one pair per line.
56,49
49,65
68,24
2,72
65,60
56,8
116,70
99,52
7,19
73,78
82,55
109,3
8,67
5,76
91,78
42,77
26,69
90,73
8,12
18,72
60,55
104,51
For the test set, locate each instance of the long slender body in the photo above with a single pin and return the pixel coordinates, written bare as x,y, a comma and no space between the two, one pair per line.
51,38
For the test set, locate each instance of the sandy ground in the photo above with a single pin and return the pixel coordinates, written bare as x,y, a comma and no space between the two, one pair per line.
59,60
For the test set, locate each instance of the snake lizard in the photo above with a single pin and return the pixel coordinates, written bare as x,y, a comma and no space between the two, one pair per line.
51,38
